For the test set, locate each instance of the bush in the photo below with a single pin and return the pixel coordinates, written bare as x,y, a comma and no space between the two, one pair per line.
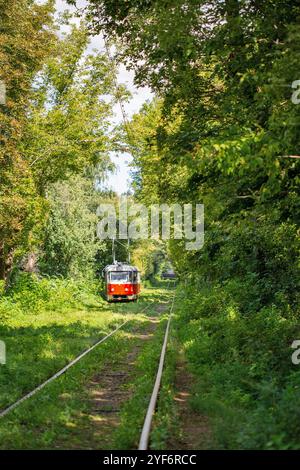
33,294
7,306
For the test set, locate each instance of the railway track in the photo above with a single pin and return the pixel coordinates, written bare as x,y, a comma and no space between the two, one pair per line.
145,434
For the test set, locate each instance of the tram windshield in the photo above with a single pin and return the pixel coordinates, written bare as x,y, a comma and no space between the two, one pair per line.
121,277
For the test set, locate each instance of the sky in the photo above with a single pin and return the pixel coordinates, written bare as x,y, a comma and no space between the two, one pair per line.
119,181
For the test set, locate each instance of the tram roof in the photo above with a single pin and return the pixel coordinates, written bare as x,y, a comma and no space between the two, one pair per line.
120,267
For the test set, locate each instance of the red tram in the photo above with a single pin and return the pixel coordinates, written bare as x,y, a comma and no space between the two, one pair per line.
122,282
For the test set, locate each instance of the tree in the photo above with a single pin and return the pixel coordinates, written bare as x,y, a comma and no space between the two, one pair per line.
25,40
69,116
70,243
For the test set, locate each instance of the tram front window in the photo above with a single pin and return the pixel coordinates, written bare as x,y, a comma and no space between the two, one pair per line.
120,278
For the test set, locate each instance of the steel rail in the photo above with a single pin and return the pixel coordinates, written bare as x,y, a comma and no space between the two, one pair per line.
145,435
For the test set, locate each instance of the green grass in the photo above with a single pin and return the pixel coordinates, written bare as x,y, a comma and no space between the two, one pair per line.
48,419
39,343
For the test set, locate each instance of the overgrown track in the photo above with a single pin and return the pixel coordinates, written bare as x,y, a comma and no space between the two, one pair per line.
100,341
59,373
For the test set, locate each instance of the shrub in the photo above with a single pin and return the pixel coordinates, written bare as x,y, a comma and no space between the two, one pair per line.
33,294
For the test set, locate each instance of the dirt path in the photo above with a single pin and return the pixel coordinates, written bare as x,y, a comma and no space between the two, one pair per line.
109,390
194,432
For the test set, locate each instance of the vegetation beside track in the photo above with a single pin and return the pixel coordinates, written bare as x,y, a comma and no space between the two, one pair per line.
39,343
245,381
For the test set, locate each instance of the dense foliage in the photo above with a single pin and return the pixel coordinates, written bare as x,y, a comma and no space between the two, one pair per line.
224,131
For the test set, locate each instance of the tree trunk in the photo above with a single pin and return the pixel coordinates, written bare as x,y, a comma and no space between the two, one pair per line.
235,38
30,264
6,263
